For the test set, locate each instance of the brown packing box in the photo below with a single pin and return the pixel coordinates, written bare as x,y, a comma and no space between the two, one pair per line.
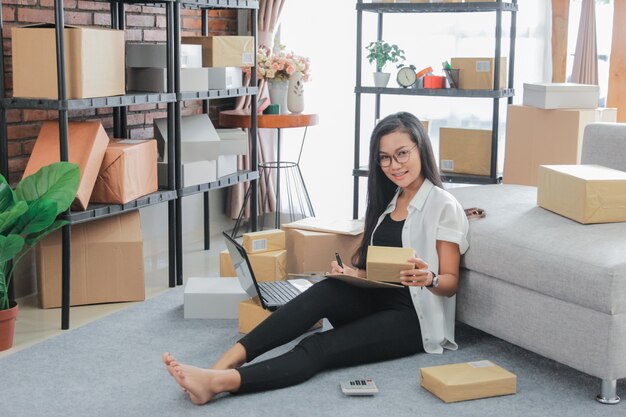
251,314
224,51
87,143
94,61
314,251
226,265
477,73
385,263
468,381
128,171
264,241
537,137
106,262
584,193
269,266
465,151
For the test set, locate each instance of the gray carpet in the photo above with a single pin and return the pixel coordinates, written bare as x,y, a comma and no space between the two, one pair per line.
113,367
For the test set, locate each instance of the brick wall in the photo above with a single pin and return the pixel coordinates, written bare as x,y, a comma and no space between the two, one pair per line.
144,23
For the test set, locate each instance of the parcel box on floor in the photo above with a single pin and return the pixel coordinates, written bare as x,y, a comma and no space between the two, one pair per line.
537,137
213,298
263,241
128,171
468,381
106,262
224,51
584,193
267,266
477,73
465,151
94,61
385,263
87,142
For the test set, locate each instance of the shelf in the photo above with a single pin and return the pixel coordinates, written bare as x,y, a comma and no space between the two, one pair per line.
436,7
439,92
239,177
215,94
87,103
96,211
363,171
221,4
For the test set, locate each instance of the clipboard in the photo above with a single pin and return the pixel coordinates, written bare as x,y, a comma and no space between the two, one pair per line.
362,282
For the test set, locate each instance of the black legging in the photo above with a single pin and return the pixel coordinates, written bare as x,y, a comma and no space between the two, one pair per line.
370,325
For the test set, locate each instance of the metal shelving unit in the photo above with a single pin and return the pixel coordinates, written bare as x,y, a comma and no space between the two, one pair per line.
498,92
172,195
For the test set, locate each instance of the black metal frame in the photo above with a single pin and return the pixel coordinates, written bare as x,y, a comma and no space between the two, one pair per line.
173,98
496,94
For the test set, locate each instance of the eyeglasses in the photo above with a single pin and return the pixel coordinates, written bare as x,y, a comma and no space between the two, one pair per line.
401,157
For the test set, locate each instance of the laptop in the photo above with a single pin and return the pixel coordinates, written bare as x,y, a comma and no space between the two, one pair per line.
273,294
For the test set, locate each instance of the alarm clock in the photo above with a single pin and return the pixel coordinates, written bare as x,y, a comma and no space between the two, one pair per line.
407,76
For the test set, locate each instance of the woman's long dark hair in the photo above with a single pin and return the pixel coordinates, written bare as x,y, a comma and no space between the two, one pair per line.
380,189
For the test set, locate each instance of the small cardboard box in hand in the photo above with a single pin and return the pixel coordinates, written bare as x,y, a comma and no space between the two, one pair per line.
385,263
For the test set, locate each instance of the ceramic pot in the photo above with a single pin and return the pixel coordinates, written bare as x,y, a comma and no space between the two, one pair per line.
381,79
7,326
278,94
295,95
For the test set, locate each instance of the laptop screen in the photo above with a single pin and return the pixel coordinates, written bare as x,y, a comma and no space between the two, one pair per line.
242,266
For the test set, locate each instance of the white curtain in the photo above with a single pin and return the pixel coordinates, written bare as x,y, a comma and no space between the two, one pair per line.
585,69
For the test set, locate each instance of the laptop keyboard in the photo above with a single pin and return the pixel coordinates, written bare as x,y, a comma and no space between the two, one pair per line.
279,292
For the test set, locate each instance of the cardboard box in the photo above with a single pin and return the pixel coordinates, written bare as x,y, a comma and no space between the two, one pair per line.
468,381
222,78
251,314
154,55
584,193
537,137
106,262
311,251
561,96
194,173
154,80
199,139
226,265
87,142
465,151
224,51
94,61
329,225
269,266
128,171
384,263
477,73
264,241
213,298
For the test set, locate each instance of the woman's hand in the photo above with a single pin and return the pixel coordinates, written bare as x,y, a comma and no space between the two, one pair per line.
418,277
336,269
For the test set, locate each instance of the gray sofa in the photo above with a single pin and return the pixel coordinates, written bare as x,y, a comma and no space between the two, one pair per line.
547,283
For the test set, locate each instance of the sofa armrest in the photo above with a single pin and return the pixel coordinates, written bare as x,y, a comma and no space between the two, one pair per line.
605,144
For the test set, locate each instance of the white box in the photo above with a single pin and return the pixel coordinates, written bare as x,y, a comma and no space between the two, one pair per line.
222,78
561,96
233,141
194,173
199,139
154,80
226,165
151,55
213,298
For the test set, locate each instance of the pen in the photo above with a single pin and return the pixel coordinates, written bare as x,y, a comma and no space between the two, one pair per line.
338,259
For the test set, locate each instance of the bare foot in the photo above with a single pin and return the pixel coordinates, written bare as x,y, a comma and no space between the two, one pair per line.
201,384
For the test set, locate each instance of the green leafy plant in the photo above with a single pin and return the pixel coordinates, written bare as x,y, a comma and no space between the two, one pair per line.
29,213
381,52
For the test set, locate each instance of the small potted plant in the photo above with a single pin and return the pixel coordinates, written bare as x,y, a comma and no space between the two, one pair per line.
27,214
382,53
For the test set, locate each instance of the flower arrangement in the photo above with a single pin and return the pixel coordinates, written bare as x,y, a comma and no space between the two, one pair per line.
280,65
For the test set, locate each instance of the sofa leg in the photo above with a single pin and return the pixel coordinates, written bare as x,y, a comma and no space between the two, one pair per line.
608,395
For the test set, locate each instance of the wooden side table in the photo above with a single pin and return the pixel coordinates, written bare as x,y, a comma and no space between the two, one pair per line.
241,119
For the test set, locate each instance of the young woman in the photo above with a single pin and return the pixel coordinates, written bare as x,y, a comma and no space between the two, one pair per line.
407,207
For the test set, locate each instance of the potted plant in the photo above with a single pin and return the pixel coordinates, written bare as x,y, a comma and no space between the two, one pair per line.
27,214
382,53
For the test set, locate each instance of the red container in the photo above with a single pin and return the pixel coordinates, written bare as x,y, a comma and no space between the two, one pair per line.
434,81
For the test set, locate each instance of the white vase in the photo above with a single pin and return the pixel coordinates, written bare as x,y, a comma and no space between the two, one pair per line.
295,95
278,94
381,79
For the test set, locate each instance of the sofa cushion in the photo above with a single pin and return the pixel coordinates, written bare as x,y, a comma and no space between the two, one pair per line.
524,244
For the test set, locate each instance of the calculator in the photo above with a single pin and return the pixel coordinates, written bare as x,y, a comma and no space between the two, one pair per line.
359,387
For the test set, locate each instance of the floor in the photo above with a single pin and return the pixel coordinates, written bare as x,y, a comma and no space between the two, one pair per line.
35,325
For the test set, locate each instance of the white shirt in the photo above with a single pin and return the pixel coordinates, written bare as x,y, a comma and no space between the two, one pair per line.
433,214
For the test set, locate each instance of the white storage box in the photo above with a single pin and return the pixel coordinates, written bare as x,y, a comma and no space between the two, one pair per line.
194,173
150,55
199,139
222,78
213,298
226,165
561,96
233,141
154,80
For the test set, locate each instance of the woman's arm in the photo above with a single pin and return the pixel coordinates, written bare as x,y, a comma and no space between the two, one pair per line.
449,261
336,269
